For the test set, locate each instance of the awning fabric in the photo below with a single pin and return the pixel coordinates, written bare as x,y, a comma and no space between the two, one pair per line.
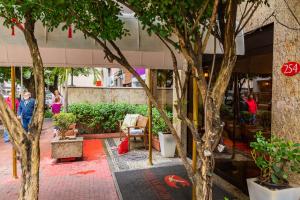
58,50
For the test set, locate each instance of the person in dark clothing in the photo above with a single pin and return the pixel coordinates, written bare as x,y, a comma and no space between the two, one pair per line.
26,109
243,107
243,103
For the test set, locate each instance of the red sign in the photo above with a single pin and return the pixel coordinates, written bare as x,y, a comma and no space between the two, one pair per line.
98,83
290,68
173,180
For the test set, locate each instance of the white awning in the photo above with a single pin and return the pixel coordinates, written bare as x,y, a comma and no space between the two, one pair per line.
58,50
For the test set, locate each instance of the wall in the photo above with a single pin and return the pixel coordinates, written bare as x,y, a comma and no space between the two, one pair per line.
261,16
116,95
286,90
286,46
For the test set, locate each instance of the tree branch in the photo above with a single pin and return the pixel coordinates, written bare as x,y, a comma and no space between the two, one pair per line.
200,14
293,14
241,27
211,25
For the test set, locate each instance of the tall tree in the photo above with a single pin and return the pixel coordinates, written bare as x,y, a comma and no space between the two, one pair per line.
24,14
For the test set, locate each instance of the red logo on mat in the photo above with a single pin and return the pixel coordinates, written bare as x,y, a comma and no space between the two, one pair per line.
173,180
290,68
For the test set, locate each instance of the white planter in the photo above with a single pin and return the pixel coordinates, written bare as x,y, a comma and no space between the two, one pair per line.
259,192
167,144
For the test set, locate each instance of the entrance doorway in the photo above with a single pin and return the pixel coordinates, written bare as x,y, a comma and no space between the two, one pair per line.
252,75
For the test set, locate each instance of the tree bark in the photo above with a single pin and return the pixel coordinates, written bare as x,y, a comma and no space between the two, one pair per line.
28,83
30,162
54,87
30,149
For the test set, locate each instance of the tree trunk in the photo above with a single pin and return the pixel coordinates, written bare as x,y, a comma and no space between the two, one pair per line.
211,138
28,83
54,87
30,163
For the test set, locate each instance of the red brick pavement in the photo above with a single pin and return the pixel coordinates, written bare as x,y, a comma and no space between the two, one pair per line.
82,180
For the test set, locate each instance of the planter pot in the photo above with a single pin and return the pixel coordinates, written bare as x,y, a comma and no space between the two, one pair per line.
167,144
155,143
259,192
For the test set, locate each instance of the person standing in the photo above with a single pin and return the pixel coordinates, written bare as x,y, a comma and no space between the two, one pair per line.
56,106
26,109
56,94
252,109
9,103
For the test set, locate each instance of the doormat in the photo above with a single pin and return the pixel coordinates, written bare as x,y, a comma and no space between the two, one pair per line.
136,158
160,183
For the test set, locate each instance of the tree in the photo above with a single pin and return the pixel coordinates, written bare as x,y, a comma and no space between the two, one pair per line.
26,143
191,23
27,77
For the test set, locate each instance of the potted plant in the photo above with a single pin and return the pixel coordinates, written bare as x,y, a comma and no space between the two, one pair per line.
64,122
276,158
166,139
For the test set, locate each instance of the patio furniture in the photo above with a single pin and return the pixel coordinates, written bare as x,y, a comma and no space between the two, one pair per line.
134,126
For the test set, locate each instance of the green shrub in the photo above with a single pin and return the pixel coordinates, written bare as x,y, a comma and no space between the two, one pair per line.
104,117
48,113
64,120
276,158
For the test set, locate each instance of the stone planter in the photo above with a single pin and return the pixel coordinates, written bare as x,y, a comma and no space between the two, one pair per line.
259,192
167,144
68,148
155,143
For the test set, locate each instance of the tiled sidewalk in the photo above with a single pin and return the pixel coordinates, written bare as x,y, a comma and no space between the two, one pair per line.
82,180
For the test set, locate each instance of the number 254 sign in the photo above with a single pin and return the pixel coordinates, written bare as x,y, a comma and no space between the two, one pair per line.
290,68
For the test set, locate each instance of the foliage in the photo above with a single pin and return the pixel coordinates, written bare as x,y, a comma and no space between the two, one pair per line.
164,78
105,116
53,75
64,120
57,75
276,158
162,16
48,114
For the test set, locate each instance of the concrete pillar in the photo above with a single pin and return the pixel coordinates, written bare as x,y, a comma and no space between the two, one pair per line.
286,90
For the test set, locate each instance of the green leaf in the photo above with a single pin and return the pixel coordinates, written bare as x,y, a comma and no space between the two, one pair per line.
274,179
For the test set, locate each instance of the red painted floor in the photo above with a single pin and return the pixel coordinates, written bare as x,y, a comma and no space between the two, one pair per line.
89,179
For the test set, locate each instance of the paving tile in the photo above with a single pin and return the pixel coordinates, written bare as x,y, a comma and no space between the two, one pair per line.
88,179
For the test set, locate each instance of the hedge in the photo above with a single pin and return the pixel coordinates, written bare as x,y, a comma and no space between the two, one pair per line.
104,117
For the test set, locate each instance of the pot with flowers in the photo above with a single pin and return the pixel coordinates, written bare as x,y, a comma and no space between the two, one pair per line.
277,159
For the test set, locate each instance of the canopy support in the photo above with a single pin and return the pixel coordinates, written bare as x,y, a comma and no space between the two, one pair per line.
195,119
150,85
13,103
